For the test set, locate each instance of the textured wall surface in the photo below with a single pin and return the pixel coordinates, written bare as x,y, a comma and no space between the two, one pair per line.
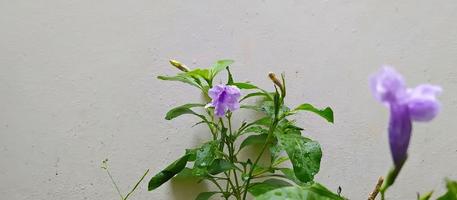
77,85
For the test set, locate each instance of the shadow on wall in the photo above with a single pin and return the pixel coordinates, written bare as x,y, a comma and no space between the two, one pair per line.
186,189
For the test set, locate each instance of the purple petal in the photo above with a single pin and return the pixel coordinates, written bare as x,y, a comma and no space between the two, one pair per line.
387,85
422,102
399,132
224,97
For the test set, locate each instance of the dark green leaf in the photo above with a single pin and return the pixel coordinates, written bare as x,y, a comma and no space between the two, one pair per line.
312,192
219,66
289,173
451,193
205,156
265,121
304,154
168,173
326,113
186,173
184,109
181,78
219,166
205,195
270,184
254,139
229,77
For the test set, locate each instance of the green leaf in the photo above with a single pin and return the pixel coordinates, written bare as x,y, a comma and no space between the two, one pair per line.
168,173
205,155
270,184
255,94
255,129
219,166
186,173
181,78
425,196
200,73
326,113
245,86
254,139
219,66
184,109
229,77
312,192
451,193
304,154
205,195
289,173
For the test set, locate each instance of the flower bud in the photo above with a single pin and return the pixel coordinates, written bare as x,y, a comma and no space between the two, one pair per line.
179,65
275,80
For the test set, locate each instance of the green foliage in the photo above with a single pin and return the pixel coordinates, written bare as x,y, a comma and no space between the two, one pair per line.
451,193
217,160
254,139
168,173
304,154
260,188
182,77
184,109
326,113
205,195
219,66
311,192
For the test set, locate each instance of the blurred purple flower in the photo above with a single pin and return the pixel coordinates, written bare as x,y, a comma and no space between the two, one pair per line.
406,105
224,98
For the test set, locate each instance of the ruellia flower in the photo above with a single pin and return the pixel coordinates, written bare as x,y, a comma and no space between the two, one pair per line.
224,98
406,105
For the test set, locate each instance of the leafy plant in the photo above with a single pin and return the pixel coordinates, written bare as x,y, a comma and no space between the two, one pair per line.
217,161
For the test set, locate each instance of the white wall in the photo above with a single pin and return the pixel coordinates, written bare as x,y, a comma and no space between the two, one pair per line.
77,85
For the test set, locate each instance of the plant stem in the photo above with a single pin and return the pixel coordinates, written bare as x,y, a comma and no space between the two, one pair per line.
232,156
376,189
270,134
114,183
136,185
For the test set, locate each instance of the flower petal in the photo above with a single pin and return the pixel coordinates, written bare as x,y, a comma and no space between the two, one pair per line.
387,85
399,132
422,102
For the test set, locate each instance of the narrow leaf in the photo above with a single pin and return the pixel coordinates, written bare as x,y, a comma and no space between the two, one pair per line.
245,86
181,78
168,173
184,109
326,113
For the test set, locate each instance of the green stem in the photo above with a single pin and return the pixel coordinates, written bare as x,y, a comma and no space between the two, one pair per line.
232,156
264,147
114,183
136,185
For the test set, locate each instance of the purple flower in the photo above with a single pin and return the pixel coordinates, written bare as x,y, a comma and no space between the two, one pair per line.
406,105
224,98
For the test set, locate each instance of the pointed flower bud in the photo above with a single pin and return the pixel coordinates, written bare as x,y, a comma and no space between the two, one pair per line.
275,80
179,65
